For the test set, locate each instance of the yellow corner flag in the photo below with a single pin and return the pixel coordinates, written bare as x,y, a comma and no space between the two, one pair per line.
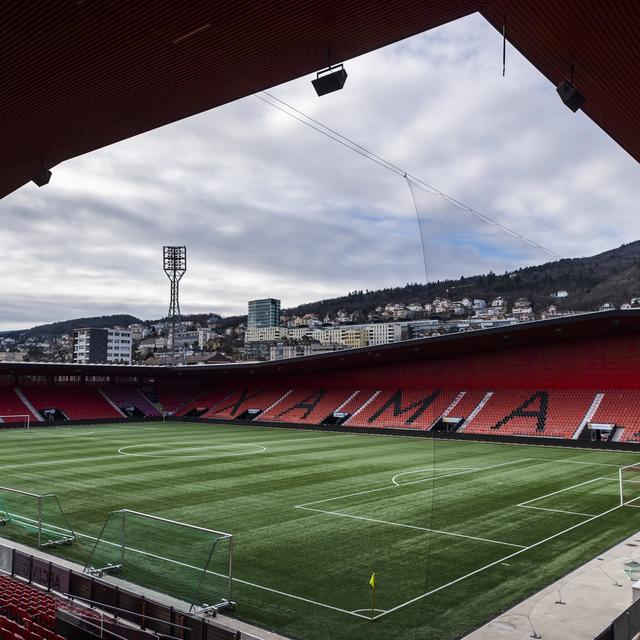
372,582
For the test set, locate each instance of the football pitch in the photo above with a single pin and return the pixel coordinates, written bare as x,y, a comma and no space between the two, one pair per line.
455,531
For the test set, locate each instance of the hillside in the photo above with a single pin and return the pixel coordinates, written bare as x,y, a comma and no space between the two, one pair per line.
67,326
612,276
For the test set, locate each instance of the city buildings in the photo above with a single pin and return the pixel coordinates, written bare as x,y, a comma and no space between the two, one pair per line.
95,346
263,313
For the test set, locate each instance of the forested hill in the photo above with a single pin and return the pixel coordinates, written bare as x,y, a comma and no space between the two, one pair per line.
67,326
612,276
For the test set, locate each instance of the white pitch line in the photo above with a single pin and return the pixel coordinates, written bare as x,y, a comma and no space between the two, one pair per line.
406,473
575,513
564,461
411,526
163,453
404,484
222,575
67,461
493,564
368,617
548,495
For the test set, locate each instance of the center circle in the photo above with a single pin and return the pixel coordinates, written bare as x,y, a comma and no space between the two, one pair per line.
203,451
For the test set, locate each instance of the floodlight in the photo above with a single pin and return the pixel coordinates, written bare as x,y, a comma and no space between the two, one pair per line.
330,80
42,177
570,95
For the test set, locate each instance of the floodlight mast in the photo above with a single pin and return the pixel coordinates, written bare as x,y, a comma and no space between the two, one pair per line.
175,266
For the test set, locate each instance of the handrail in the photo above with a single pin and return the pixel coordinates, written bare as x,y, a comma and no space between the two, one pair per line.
104,605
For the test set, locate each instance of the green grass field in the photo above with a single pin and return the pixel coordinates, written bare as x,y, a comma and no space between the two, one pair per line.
454,534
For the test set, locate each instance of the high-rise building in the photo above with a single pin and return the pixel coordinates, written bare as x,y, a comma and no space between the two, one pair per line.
102,346
263,313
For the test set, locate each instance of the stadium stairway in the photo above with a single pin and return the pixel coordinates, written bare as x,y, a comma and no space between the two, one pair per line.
465,404
621,408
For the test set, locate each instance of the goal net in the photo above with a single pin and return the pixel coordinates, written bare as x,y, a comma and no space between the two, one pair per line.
17,420
33,519
190,563
629,477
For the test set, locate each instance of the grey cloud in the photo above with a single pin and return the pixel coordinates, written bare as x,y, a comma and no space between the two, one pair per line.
266,206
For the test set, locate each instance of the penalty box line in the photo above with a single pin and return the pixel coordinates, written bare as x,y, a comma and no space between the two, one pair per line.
493,564
527,503
307,505
411,526
404,484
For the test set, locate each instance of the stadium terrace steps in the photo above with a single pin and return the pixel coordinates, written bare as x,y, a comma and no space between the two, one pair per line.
621,408
11,404
307,406
588,417
76,402
465,405
126,397
404,408
553,413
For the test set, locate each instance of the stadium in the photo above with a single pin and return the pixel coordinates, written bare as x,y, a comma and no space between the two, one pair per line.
411,490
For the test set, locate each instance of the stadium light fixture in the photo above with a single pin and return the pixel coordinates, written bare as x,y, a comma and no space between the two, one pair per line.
569,94
330,79
42,177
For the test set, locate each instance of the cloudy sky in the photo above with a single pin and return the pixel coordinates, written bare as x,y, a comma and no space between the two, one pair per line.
269,207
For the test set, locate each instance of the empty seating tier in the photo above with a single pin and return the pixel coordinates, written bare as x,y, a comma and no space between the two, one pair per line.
404,408
77,402
307,406
551,413
12,405
239,402
204,400
127,397
173,397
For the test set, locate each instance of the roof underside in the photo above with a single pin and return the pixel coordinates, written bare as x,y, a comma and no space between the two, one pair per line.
81,74
589,326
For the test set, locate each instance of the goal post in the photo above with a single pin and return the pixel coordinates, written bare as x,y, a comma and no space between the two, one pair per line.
629,480
34,519
21,419
191,563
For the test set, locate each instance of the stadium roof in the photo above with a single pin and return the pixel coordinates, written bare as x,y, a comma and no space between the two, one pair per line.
81,74
541,332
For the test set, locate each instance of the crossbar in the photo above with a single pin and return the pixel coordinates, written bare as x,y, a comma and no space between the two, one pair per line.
181,524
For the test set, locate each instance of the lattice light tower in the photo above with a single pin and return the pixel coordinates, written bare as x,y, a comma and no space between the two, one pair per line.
175,266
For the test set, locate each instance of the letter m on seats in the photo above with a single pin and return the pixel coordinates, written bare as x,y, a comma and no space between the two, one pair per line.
416,408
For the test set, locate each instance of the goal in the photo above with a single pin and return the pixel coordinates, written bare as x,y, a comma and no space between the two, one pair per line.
191,563
17,419
34,519
629,478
